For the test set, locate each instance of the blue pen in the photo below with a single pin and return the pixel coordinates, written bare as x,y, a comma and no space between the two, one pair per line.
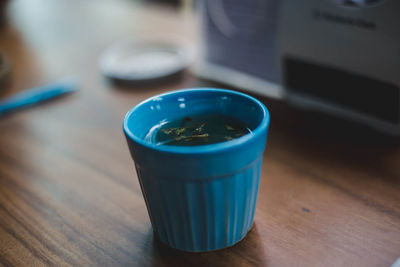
38,94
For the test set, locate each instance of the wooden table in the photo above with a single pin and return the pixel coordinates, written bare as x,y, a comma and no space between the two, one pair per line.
330,190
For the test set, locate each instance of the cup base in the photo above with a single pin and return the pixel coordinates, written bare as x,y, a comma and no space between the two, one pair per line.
167,246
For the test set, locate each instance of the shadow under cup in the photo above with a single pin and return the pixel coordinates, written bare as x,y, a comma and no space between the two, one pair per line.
199,198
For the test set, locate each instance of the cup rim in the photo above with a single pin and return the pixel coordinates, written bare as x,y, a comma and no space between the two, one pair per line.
201,149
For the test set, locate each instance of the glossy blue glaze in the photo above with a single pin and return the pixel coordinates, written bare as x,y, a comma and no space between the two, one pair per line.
199,198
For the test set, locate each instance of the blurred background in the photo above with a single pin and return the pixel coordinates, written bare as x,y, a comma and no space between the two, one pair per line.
328,57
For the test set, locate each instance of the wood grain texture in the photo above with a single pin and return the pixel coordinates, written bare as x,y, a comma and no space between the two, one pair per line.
69,195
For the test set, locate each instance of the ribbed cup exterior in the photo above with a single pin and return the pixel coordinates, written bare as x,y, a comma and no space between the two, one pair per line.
199,198
203,214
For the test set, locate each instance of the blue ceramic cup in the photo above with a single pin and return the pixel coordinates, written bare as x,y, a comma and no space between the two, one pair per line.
199,198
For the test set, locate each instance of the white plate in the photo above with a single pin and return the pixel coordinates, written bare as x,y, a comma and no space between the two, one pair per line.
132,61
